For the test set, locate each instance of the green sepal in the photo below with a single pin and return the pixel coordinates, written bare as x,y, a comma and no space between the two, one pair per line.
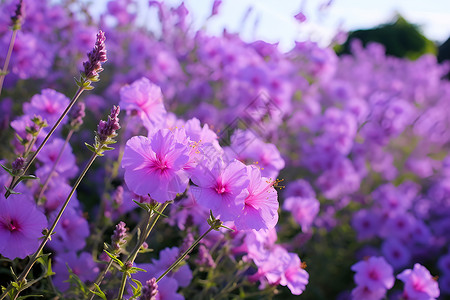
7,170
106,148
90,147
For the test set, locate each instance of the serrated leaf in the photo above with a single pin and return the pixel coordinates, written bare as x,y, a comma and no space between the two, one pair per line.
7,170
99,292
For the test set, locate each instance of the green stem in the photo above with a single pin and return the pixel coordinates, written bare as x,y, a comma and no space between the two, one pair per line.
47,181
183,256
36,254
15,180
148,226
8,57
101,277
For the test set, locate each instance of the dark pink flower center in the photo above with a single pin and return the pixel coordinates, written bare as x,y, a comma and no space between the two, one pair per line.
221,188
373,274
13,225
159,164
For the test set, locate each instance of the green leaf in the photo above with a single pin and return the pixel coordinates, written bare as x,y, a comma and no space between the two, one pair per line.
106,148
7,170
90,148
30,296
99,292
134,270
142,205
136,289
11,191
113,257
88,88
26,177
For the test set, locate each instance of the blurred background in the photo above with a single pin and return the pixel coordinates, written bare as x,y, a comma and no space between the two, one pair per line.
407,28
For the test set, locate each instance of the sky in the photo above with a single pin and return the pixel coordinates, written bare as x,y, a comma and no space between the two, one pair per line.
273,20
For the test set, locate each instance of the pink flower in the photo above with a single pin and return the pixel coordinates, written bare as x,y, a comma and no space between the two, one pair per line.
374,273
82,265
260,205
155,166
144,99
303,209
49,105
21,225
419,284
222,188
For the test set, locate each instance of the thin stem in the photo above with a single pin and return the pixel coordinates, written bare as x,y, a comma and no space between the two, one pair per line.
33,258
101,277
8,57
184,254
30,146
47,181
148,226
15,181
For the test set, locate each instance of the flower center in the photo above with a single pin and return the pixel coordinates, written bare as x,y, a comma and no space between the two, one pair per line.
374,275
220,189
13,226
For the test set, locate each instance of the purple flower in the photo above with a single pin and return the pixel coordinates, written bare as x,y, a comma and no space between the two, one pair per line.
21,225
374,273
70,232
149,290
96,57
303,209
367,223
119,235
81,265
222,189
261,204
419,284
143,98
76,115
364,292
107,129
66,166
50,104
182,275
155,166
395,253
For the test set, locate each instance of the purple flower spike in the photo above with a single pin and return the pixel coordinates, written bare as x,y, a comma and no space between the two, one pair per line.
119,235
149,290
76,115
96,57
107,129
18,165
17,18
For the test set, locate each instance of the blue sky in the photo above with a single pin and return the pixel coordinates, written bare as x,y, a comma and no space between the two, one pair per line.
272,20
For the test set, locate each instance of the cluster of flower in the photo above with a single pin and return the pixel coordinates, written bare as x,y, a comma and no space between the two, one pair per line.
360,140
